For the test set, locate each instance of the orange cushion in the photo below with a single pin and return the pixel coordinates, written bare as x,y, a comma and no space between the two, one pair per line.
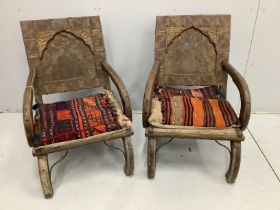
201,107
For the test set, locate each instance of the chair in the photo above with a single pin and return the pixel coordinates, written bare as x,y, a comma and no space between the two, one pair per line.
191,51
68,55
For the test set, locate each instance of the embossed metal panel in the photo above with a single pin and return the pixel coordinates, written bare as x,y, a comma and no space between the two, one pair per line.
190,49
66,52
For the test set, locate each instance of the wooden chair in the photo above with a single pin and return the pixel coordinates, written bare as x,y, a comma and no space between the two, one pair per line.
194,50
69,55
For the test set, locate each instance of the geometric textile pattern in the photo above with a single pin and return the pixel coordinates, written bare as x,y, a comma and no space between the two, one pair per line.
201,107
75,119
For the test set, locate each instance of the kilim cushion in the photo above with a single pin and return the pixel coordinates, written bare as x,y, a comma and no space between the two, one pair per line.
78,118
201,107
189,91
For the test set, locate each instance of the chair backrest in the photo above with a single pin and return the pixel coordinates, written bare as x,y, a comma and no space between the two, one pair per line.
190,49
66,53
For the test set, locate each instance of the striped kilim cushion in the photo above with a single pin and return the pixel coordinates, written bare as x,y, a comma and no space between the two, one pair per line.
75,119
204,92
202,107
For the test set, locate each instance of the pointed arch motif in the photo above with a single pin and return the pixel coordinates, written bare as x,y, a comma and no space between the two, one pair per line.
66,56
191,52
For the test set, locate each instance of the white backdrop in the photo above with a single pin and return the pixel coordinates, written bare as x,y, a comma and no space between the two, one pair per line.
128,28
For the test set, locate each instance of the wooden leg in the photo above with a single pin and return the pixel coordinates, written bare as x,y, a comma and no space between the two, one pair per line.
45,176
129,156
235,159
151,159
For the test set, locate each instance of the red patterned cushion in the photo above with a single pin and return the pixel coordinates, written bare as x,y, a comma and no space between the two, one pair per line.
75,119
202,107
204,92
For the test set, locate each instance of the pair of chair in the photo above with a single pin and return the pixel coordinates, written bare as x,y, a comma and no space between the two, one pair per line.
69,55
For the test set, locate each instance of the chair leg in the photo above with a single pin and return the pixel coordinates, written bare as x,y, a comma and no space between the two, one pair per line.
45,176
151,159
129,156
235,159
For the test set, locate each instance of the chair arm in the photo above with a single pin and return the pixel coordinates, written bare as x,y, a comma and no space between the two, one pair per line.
149,90
245,110
121,88
27,108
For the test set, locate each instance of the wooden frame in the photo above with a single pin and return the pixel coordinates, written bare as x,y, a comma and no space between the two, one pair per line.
171,33
80,40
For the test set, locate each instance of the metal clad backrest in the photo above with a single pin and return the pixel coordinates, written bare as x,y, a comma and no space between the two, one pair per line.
66,53
190,49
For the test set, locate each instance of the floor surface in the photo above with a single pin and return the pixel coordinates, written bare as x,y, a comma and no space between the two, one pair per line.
190,174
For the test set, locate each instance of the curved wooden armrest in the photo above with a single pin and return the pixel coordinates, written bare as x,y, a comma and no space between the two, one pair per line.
147,101
245,110
121,88
27,108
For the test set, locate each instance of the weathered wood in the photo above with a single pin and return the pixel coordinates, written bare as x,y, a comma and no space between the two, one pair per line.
27,107
191,47
148,95
235,158
45,176
151,157
121,88
69,52
194,50
202,133
245,111
27,115
56,147
38,98
129,156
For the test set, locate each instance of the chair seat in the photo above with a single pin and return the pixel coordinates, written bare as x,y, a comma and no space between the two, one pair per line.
196,107
202,133
78,119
